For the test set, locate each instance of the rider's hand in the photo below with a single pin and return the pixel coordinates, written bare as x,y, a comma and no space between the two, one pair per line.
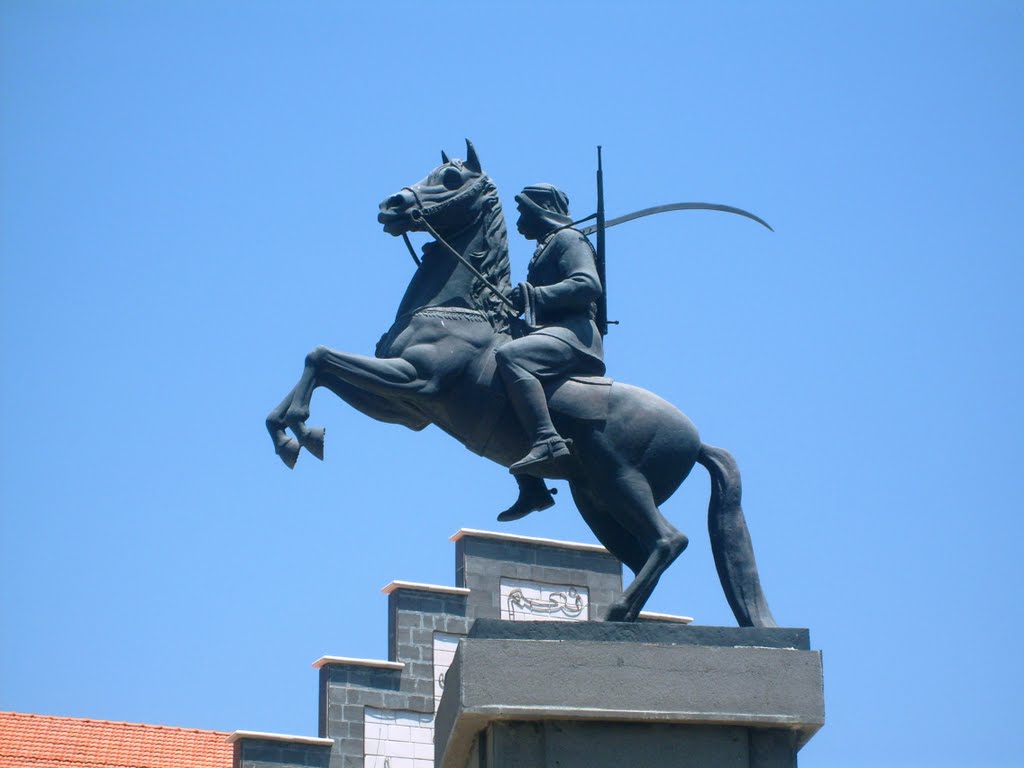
518,298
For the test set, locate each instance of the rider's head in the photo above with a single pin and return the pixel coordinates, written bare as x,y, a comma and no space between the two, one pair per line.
542,208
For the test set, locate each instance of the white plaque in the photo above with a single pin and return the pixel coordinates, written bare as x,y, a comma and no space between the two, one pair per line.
523,600
397,739
444,651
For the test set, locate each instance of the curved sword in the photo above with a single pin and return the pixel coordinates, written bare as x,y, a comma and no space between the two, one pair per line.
677,207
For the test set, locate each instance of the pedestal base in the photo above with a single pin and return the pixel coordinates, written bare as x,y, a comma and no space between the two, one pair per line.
619,695
572,744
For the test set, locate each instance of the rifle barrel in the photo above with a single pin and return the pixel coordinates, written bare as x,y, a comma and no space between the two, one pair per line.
602,302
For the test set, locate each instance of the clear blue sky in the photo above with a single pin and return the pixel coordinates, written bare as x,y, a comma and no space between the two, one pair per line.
188,194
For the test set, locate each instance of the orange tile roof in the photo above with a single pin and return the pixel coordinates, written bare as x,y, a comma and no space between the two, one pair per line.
42,741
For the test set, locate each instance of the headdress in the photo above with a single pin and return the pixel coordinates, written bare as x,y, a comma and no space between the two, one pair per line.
547,202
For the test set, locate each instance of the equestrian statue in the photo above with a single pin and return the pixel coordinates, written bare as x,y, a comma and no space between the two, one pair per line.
516,374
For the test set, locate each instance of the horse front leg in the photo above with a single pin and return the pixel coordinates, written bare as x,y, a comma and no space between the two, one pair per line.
286,447
288,415
297,411
384,378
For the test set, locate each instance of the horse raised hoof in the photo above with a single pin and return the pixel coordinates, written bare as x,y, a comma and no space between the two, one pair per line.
288,450
534,500
312,439
547,459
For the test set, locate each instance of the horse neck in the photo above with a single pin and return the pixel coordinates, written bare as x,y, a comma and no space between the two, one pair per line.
441,280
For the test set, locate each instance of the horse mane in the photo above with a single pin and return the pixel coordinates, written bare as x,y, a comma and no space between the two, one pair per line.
493,260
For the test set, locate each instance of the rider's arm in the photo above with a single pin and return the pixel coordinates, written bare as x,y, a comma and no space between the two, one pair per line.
580,285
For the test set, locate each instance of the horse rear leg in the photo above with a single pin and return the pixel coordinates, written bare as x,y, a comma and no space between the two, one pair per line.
616,539
629,500
666,550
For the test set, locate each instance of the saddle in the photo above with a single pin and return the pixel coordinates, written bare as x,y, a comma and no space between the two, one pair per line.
577,398
584,398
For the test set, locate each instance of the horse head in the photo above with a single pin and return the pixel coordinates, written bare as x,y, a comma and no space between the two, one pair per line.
450,197
460,203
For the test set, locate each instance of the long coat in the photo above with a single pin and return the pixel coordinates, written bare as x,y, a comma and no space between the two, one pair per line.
564,286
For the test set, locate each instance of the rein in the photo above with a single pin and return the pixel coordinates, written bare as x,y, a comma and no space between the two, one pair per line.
424,211
405,236
417,215
421,213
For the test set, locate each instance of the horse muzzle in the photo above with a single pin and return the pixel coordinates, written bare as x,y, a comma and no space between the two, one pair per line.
395,213
395,223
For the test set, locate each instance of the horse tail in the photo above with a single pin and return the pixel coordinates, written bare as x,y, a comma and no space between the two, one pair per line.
730,541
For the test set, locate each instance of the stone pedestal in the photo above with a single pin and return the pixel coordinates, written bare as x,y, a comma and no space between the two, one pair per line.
509,669
591,695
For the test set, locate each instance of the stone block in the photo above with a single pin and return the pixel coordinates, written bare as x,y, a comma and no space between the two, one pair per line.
623,683
573,744
665,633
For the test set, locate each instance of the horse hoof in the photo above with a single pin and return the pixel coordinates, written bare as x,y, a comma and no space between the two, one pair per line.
289,452
312,439
617,612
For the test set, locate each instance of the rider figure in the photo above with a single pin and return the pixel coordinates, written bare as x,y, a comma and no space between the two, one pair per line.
562,338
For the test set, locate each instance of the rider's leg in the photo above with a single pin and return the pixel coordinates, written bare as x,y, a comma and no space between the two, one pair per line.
549,451
534,496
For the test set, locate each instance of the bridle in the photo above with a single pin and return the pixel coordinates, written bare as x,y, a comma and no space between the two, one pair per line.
433,210
422,214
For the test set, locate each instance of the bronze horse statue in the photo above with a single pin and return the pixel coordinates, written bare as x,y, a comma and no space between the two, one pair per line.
436,365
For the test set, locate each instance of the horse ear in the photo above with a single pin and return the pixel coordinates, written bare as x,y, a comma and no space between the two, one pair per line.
444,157
472,161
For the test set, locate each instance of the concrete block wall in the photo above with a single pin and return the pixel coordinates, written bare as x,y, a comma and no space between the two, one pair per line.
273,750
483,561
347,688
380,714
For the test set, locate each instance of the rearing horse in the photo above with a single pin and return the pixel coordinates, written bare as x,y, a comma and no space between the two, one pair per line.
435,365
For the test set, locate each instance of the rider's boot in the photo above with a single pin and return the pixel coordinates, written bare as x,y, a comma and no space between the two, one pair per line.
534,496
550,453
